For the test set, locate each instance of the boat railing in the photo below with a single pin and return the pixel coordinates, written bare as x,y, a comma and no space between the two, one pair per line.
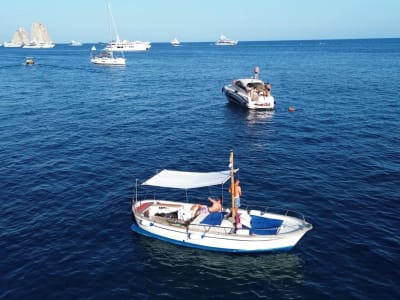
275,210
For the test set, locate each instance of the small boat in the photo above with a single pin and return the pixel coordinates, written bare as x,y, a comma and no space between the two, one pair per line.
231,229
75,43
29,61
107,58
224,41
251,93
175,42
93,48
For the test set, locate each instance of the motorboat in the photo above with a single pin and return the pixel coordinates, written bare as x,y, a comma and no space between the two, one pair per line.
107,58
224,41
230,229
251,93
29,61
175,42
76,43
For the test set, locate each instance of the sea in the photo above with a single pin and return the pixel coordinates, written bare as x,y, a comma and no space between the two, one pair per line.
77,139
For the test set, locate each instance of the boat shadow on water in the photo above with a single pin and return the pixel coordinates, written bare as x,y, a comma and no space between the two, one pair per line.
279,272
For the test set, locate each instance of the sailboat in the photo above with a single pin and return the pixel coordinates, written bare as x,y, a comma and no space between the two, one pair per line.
230,229
40,37
106,56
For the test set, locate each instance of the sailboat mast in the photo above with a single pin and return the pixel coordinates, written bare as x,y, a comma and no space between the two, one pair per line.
232,184
112,23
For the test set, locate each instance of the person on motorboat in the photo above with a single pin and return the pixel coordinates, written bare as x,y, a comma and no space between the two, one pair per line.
267,89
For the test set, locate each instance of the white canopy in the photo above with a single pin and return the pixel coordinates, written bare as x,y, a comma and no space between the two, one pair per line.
187,180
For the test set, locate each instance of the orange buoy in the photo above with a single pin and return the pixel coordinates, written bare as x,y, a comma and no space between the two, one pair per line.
291,109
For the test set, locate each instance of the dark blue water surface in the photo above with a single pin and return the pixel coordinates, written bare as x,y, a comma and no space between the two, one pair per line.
74,137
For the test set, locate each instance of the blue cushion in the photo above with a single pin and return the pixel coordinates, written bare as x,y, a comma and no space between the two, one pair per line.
264,226
214,218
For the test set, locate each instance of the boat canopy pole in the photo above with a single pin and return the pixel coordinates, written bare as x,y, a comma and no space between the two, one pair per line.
232,185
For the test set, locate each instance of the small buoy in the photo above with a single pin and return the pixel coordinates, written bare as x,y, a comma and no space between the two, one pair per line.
291,109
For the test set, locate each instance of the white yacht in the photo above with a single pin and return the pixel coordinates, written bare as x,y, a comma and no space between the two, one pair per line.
175,42
224,41
76,43
127,46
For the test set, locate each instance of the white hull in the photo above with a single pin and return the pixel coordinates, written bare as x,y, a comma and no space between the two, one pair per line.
224,41
188,230
39,46
175,42
115,61
249,99
11,45
128,46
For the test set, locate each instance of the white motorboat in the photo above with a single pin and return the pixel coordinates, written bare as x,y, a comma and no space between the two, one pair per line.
175,42
29,61
224,41
76,43
252,93
107,58
228,230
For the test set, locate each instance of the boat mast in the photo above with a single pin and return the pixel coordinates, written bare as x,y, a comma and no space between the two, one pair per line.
232,184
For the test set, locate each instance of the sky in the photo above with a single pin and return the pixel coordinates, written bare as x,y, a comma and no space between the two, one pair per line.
204,20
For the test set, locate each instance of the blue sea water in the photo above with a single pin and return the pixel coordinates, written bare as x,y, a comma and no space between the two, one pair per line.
74,137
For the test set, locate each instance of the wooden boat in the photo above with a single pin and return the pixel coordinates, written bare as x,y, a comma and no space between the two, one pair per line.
228,230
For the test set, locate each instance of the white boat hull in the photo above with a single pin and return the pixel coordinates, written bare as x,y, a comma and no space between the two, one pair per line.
39,46
186,230
116,61
128,46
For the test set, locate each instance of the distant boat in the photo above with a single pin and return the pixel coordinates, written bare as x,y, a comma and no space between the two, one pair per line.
40,37
29,61
224,41
125,45
20,38
93,48
175,42
76,43
106,57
